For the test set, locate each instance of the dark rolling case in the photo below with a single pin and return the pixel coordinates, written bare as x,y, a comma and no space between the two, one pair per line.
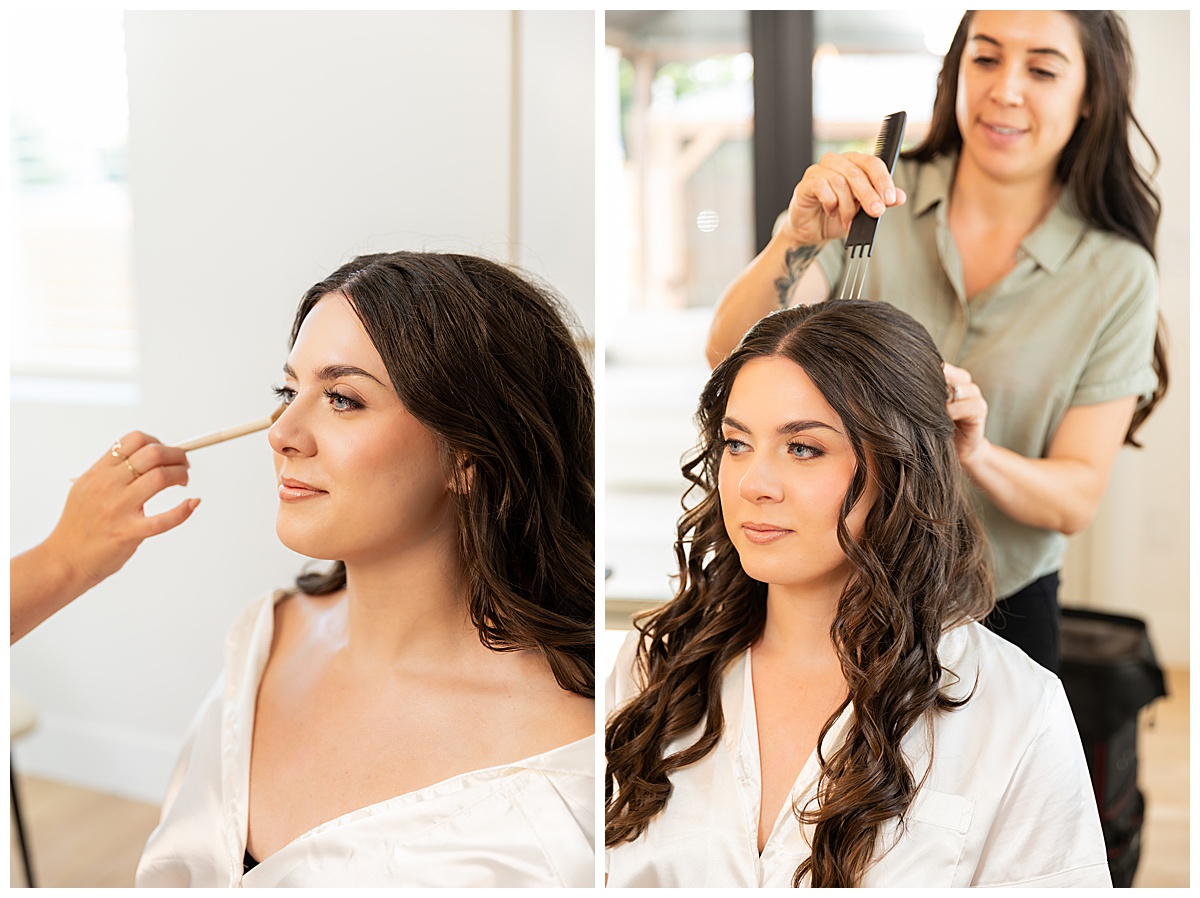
1109,672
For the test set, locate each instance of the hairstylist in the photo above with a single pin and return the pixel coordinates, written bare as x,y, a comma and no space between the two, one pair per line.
100,528
1021,235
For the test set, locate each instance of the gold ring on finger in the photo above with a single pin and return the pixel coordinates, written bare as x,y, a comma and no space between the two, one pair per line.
116,450
132,470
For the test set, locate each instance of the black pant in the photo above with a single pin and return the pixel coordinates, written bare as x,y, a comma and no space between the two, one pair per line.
1029,619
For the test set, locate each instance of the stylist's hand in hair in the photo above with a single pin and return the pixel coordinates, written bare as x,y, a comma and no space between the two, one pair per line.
968,410
101,526
831,192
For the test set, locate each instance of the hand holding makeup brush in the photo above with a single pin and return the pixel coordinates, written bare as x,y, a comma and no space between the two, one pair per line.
101,527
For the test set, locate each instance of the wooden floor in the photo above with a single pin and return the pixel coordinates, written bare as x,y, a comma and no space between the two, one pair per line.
1164,777
77,837
83,838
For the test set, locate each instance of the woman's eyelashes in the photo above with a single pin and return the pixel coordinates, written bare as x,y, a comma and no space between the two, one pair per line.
1042,74
796,449
339,402
804,450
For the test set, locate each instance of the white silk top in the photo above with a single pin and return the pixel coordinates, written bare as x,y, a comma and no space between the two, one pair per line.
1007,802
528,823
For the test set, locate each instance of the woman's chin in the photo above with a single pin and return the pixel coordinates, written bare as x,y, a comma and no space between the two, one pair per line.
304,543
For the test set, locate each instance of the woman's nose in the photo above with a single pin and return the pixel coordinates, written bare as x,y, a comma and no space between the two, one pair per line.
1007,88
289,435
760,482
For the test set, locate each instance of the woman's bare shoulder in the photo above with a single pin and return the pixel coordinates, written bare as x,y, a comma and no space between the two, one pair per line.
574,715
554,716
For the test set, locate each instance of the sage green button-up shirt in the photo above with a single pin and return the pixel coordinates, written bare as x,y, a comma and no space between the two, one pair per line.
1072,324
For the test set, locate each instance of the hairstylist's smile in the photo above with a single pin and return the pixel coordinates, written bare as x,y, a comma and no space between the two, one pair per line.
1003,135
1001,128
294,490
761,534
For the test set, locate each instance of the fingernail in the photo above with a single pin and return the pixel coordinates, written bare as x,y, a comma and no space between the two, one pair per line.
890,196
195,504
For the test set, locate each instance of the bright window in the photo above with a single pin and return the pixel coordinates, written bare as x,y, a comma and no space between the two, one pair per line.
72,310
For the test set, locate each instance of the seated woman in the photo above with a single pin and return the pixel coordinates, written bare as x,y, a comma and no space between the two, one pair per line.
817,705
421,714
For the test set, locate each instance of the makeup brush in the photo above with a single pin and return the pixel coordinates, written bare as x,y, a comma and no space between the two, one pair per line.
230,433
221,436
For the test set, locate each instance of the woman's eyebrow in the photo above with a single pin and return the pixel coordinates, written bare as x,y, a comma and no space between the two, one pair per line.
801,426
1047,51
1036,51
335,372
784,429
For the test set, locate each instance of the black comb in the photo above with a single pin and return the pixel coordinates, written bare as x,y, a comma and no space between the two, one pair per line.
861,238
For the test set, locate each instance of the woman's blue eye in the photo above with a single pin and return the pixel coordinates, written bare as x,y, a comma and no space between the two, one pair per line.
341,403
337,401
735,447
804,450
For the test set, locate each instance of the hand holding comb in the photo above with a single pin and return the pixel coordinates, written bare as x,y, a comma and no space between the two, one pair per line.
861,238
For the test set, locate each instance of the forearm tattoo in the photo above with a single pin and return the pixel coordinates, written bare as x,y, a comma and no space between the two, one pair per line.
797,261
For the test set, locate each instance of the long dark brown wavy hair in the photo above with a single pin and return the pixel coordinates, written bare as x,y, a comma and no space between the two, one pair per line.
1111,191
484,358
919,568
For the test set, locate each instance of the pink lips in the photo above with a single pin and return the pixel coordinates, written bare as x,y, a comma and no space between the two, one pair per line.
295,490
1003,134
762,534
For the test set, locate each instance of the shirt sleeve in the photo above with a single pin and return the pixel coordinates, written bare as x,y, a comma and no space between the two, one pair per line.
621,684
1121,364
832,260
185,848
1047,830
619,688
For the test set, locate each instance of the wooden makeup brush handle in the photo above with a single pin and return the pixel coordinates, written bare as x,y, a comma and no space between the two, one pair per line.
230,433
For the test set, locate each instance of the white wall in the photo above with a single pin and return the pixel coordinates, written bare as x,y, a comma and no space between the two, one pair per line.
556,200
1133,559
266,148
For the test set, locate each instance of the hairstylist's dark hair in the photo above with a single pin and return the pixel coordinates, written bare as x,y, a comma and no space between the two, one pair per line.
484,358
919,567
1110,190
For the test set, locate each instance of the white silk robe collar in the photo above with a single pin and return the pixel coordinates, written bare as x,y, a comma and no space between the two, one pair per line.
528,823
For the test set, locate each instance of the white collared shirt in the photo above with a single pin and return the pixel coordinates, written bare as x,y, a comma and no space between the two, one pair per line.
1007,802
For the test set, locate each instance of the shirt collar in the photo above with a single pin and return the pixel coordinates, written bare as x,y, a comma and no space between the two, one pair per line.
933,184
1049,244
1052,241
